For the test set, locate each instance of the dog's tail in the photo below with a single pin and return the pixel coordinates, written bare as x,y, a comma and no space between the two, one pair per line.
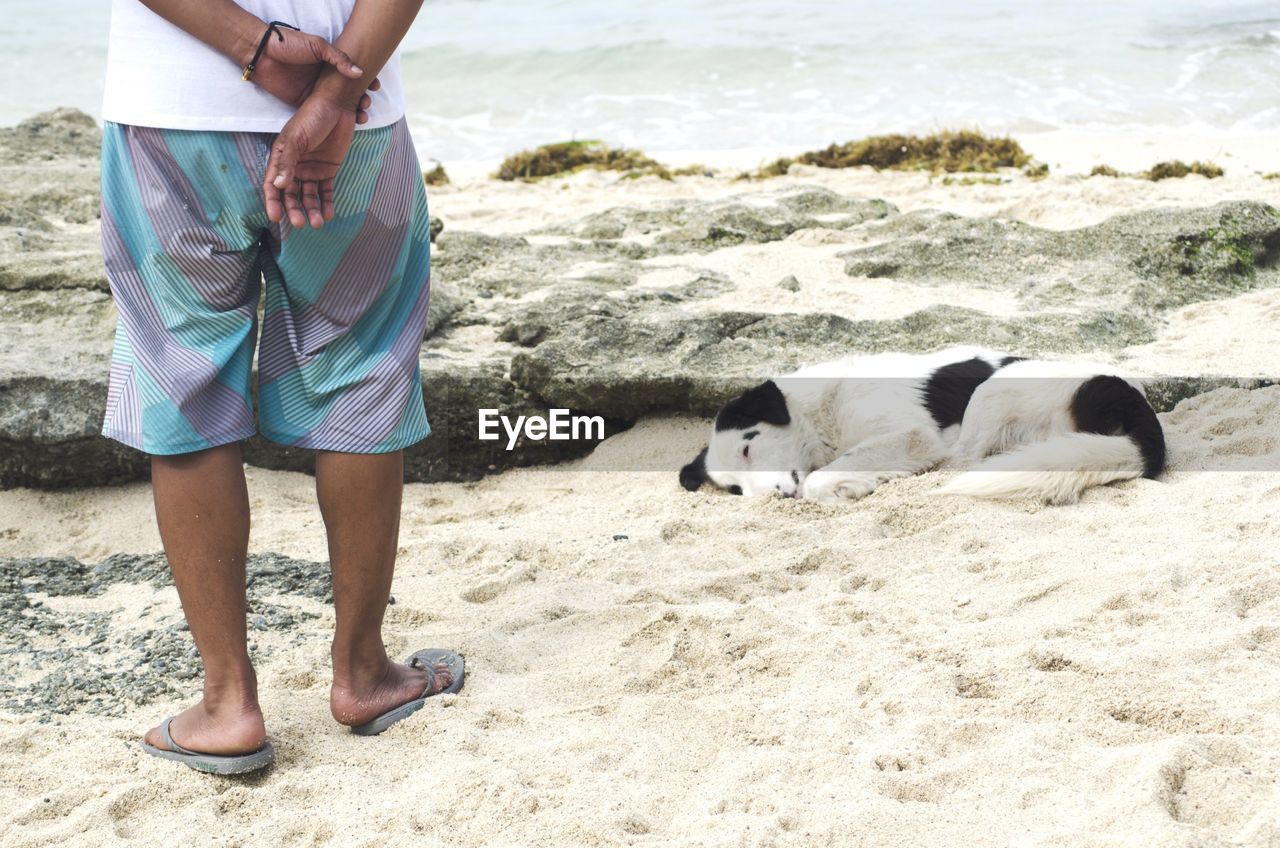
1059,469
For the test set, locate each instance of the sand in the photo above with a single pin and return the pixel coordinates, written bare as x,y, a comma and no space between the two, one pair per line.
652,667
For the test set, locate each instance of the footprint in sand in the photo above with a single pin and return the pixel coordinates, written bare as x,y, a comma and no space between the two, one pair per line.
741,588
1248,445
1220,784
488,591
1242,600
53,806
1050,661
485,592
973,686
403,617
812,561
899,762
675,531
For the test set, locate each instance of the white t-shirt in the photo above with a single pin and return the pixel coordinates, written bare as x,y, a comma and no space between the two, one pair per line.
160,76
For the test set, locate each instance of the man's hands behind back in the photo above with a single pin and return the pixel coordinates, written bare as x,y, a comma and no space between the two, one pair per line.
289,67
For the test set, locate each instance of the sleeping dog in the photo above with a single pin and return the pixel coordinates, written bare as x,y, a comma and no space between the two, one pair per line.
1024,427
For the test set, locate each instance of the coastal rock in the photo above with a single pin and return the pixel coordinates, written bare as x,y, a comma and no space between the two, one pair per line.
51,135
530,325
446,303
54,354
703,226
1143,262
49,201
502,269
49,436
65,192
67,259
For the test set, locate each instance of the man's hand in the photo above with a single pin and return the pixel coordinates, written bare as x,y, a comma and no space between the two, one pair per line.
309,150
292,62
305,158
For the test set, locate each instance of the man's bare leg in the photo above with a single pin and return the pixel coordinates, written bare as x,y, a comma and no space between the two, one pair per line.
202,508
359,497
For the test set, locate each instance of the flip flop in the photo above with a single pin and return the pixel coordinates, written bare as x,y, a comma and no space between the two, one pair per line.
211,763
421,659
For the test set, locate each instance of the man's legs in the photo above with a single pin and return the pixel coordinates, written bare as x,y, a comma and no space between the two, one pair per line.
202,508
359,497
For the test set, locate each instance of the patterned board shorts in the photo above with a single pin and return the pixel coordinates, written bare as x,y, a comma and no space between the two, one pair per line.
188,247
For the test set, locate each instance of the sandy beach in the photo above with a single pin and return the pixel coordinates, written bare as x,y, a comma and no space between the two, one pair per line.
648,666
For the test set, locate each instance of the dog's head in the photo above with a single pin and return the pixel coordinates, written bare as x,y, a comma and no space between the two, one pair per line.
754,449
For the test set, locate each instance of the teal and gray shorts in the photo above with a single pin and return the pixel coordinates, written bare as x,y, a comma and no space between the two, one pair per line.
188,250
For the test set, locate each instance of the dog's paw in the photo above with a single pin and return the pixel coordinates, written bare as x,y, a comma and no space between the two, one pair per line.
839,485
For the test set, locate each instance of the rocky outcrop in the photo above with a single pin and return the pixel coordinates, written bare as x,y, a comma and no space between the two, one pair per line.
567,315
49,203
1143,262
54,356
702,226
58,134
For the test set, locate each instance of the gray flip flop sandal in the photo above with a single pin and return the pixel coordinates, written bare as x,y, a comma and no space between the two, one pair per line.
422,659
211,763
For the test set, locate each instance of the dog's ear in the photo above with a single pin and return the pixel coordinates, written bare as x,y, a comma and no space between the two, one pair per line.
763,403
693,475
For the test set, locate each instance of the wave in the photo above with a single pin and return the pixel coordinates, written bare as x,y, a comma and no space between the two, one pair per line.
485,77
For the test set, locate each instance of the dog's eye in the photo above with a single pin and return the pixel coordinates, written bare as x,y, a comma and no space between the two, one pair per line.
746,451
735,490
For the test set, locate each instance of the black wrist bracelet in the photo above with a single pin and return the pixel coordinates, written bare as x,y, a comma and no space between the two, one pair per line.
274,26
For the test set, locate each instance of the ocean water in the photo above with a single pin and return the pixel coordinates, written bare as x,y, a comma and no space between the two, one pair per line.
486,77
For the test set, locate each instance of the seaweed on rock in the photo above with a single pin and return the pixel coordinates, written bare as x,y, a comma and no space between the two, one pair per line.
949,150
1176,169
567,157
437,176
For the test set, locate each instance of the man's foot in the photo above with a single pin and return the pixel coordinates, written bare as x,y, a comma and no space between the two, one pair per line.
354,702
224,731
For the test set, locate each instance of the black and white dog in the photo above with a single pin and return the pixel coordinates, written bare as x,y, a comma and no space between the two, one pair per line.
1024,427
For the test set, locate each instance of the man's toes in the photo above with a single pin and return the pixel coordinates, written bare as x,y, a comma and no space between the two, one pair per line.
444,678
152,738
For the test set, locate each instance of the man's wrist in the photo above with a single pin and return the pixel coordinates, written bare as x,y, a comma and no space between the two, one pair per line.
246,34
340,90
